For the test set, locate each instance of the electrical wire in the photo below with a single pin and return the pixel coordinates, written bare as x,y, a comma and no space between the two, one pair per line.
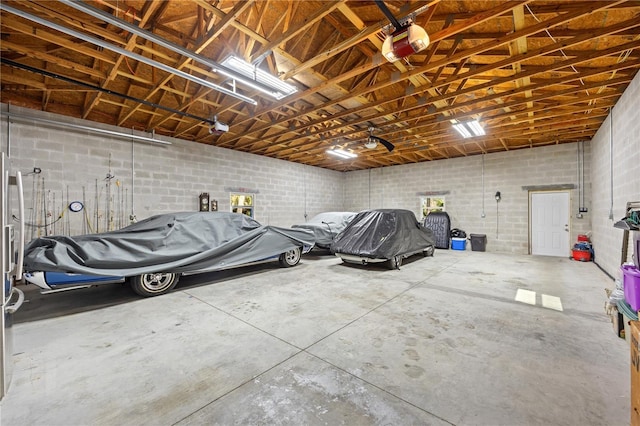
35,225
555,41
582,181
45,73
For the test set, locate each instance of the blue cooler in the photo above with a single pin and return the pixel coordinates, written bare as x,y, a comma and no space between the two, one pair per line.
458,244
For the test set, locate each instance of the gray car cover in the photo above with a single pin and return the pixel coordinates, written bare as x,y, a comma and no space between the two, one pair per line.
176,242
326,226
383,234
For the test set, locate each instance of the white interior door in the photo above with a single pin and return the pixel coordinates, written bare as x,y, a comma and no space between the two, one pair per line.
550,223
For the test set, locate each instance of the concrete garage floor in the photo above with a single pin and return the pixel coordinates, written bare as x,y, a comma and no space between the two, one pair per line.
441,341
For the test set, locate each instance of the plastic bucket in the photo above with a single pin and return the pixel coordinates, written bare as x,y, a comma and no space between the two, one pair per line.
581,255
631,285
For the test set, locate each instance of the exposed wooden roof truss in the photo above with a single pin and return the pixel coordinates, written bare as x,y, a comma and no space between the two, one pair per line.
532,72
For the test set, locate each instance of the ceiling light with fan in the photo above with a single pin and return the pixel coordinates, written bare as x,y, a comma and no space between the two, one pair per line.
373,141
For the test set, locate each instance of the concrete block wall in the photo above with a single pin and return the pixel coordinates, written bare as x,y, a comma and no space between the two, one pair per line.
170,178
506,224
150,178
616,176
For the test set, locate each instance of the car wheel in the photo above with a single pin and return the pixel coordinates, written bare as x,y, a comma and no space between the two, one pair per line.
290,258
395,262
428,251
147,285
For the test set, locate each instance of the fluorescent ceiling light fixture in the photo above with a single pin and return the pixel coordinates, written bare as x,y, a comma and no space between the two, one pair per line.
254,74
341,153
469,129
124,52
134,29
462,129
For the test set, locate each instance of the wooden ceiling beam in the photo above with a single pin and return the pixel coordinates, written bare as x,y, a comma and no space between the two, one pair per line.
505,94
516,102
478,18
209,38
50,37
552,8
558,20
63,63
229,140
303,26
552,80
151,8
377,42
261,16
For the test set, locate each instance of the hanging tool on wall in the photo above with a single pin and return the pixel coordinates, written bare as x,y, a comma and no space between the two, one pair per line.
96,206
85,221
108,222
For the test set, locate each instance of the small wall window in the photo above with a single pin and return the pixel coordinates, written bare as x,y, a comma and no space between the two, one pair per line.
431,204
242,203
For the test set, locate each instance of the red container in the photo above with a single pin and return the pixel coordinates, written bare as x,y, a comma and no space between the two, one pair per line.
582,255
631,285
583,237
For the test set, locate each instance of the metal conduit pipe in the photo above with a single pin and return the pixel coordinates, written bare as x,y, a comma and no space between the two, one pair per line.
87,128
100,14
125,52
8,134
611,161
132,216
483,215
103,90
578,178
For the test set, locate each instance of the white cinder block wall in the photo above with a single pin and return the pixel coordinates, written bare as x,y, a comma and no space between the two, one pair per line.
615,154
506,224
152,178
170,178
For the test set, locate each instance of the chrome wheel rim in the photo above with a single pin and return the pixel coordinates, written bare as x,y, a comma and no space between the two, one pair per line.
157,282
292,256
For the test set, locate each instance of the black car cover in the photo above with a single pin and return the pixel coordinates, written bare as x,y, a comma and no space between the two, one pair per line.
383,234
176,242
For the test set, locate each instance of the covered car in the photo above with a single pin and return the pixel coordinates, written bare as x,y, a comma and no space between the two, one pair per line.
383,235
154,252
325,226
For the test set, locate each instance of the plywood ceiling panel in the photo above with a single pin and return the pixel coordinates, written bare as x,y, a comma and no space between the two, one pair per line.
532,72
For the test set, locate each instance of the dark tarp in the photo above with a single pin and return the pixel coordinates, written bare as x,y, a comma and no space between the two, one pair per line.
440,224
326,226
176,242
383,234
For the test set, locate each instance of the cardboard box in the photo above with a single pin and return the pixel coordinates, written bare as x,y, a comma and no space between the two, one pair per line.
635,372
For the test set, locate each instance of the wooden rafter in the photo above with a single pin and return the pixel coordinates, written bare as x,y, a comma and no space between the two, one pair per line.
535,73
